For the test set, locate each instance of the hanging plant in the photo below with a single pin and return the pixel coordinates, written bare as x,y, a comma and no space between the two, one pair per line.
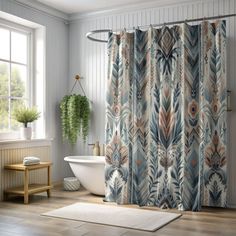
64,117
75,115
85,115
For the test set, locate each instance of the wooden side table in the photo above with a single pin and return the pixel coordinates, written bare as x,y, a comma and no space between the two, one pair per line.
28,189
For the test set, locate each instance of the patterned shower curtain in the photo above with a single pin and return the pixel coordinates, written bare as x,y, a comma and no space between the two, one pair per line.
166,117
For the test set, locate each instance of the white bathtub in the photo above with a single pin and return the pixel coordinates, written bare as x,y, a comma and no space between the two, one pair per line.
90,172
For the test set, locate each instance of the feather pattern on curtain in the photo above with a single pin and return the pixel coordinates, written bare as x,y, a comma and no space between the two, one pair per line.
166,117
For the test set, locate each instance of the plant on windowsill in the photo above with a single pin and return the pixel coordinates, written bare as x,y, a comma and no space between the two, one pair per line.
26,115
75,115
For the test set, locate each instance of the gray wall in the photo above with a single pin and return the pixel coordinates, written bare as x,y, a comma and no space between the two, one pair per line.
57,57
88,58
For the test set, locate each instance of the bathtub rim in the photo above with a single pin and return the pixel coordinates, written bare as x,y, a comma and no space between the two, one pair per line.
85,159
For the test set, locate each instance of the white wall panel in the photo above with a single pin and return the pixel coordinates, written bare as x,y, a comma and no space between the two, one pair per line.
89,59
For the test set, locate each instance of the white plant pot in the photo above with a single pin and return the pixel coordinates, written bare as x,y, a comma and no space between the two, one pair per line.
26,133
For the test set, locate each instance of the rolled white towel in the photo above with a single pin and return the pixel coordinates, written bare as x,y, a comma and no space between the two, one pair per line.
31,160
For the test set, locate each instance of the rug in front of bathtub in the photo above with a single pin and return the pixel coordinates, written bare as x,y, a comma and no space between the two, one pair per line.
132,218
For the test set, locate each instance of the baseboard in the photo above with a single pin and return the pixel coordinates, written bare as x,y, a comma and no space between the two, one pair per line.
232,206
57,184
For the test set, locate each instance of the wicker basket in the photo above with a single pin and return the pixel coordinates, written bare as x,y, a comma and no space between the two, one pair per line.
71,184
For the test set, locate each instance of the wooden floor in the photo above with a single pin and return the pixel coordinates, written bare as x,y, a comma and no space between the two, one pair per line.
24,220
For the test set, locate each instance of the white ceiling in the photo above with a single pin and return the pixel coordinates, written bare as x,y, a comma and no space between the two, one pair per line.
82,6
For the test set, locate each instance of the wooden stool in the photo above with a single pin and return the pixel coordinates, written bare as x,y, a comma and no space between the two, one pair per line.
28,189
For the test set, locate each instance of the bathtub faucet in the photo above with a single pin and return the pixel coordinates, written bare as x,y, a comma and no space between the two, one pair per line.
96,148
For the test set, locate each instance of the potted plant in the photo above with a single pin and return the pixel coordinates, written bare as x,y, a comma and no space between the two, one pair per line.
26,115
75,115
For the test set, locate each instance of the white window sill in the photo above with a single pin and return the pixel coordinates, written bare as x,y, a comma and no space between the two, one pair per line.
20,143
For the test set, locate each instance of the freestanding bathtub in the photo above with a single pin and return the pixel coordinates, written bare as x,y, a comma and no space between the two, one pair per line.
90,172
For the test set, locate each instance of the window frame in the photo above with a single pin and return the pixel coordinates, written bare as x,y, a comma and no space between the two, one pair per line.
30,88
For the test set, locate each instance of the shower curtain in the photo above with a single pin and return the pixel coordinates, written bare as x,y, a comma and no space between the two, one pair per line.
166,117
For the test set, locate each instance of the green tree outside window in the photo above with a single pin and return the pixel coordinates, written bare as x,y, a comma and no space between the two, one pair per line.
17,95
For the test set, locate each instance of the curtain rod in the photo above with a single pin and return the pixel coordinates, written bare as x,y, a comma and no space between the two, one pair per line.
90,33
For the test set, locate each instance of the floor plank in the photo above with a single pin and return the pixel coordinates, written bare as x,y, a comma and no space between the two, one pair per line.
19,219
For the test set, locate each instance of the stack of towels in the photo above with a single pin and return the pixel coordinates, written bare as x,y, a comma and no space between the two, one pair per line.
31,161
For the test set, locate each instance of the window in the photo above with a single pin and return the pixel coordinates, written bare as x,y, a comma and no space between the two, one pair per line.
15,79
22,73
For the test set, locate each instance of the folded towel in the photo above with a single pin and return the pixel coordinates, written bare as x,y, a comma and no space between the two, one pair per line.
31,160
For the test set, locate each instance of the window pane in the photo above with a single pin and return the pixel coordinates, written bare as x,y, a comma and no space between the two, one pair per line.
4,121
15,103
18,80
19,47
4,44
4,78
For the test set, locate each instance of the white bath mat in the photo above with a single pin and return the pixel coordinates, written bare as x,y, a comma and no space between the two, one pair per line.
140,219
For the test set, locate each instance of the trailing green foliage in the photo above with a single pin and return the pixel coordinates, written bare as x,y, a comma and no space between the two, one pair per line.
64,117
26,115
85,116
75,115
